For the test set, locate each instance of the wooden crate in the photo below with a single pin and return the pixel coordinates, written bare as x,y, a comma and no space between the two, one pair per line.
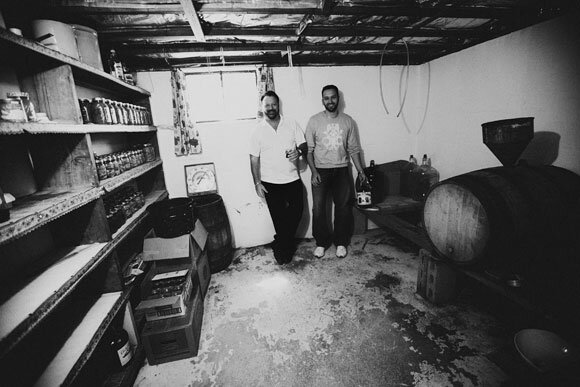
436,279
175,338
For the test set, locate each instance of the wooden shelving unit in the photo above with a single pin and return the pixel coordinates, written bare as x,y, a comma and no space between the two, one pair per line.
62,280
68,128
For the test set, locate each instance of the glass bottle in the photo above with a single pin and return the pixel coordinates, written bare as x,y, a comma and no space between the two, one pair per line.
115,65
363,193
84,105
408,177
372,181
108,162
119,112
98,112
428,176
101,170
112,112
120,347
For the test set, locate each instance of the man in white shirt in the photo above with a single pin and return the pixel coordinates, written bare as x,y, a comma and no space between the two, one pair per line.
275,146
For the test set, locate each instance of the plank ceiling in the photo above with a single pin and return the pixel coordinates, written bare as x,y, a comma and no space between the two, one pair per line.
158,34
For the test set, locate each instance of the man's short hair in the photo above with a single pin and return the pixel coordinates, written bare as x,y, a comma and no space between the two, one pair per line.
270,93
330,87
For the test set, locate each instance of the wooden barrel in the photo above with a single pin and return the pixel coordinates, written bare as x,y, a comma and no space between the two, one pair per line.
500,214
210,210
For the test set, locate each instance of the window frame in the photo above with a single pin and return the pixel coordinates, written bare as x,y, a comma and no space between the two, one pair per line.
221,72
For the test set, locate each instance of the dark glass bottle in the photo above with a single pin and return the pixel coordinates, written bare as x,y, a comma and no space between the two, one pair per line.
120,347
363,193
427,177
115,65
409,177
85,108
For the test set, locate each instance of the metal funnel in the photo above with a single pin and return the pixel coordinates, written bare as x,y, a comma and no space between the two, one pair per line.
507,139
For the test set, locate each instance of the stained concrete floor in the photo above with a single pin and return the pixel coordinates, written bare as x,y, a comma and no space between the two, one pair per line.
353,321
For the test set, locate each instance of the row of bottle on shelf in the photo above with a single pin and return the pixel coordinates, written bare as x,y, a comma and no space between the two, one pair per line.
107,112
113,164
122,205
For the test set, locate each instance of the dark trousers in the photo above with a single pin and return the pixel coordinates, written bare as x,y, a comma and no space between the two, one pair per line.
285,203
337,182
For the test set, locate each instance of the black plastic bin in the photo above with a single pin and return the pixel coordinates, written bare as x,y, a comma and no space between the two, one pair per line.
172,217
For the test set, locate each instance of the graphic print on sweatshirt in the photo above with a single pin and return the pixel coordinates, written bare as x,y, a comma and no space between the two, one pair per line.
332,137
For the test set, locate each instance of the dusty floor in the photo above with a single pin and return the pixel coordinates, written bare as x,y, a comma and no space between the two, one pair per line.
354,321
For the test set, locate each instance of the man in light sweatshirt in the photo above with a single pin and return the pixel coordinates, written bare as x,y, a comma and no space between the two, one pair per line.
332,139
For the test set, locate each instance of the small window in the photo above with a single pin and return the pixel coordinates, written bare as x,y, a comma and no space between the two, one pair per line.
224,95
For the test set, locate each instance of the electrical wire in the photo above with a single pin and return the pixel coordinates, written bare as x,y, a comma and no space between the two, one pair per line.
381,78
407,68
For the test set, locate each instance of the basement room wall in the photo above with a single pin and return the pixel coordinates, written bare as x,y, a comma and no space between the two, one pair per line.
383,137
528,73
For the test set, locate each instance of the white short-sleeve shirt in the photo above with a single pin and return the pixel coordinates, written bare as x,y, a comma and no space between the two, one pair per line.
270,146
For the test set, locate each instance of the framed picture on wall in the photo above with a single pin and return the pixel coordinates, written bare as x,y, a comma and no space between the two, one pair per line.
200,179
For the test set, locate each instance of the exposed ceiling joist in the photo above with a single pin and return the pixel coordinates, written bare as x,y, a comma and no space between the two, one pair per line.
193,19
151,31
165,33
150,49
488,12
273,60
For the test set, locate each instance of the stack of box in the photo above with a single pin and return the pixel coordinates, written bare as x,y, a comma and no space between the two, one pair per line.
172,295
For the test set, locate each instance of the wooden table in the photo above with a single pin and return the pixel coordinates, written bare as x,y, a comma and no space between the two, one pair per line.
387,213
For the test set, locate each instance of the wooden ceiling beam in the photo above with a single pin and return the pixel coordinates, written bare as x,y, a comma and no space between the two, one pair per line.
162,49
153,31
146,64
193,19
102,7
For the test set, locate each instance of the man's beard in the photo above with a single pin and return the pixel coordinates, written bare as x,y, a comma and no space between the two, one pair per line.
333,109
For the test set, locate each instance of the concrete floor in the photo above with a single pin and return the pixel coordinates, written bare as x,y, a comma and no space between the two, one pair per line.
354,321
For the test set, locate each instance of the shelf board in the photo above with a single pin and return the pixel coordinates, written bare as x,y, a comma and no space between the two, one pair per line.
22,49
68,362
24,310
69,128
115,182
42,207
137,218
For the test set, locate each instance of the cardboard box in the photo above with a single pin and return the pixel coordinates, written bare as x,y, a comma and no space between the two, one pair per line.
165,293
175,338
181,250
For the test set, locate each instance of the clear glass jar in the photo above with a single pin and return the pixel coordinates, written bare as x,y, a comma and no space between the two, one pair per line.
27,105
97,112
149,152
119,112
85,107
112,111
12,110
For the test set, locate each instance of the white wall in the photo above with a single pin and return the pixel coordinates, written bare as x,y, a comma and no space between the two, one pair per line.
533,72
384,138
